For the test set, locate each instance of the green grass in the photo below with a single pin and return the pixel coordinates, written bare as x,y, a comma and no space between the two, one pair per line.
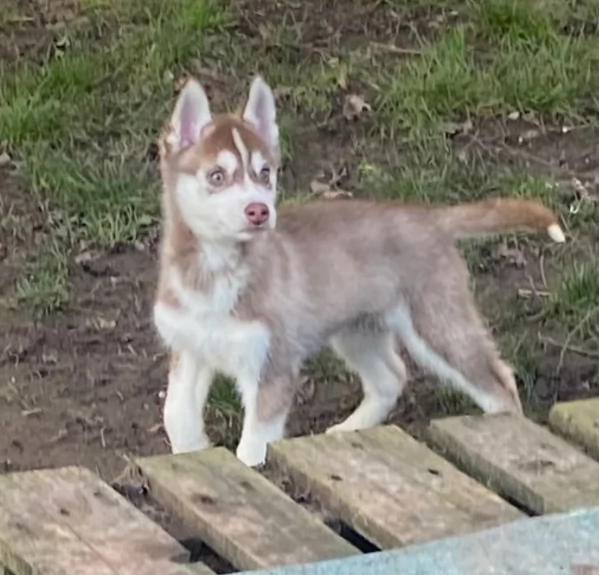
81,124
437,173
575,301
83,120
572,310
44,287
509,18
518,353
535,20
224,398
526,65
108,197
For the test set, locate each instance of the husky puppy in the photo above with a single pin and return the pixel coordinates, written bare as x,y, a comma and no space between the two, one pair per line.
249,291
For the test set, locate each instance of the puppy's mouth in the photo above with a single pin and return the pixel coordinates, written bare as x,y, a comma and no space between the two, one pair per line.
258,230
252,232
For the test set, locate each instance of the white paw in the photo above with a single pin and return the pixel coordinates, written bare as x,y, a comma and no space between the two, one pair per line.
251,453
189,446
340,428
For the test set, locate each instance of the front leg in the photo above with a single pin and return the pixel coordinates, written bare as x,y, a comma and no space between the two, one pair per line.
188,386
266,408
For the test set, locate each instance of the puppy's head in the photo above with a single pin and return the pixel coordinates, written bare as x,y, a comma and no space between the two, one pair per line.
223,169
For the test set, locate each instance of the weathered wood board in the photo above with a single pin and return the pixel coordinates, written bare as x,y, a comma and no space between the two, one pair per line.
520,460
579,421
550,545
64,521
239,513
389,487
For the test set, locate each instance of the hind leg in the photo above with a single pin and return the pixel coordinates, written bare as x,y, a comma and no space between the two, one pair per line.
383,374
447,337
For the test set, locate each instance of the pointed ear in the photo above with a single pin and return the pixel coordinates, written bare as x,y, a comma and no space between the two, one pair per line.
261,113
191,114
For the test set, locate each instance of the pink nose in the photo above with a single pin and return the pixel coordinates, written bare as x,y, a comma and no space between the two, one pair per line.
257,213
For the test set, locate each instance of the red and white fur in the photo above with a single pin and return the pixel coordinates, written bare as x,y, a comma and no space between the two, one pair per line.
249,291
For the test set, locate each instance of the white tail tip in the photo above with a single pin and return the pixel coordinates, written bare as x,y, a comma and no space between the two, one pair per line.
556,233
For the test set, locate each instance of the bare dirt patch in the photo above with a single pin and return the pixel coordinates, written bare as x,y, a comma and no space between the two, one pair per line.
30,30
394,28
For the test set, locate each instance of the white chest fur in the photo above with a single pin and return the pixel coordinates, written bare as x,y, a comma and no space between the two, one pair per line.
205,324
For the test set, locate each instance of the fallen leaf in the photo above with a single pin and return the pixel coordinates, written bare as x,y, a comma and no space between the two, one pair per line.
583,196
327,192
155,428
529,135
337,175
336,194
84,256
63,42
527,293
101,323
62,433
50,358
317,187
282,92
513,255
354,106
580,188
106,323
514,115
205,73
450,128
453,128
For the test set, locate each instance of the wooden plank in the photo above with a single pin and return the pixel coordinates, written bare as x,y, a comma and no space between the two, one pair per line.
187,569
239,513
520,460
550,545
389,487
63,521
579,421
195,569
31,542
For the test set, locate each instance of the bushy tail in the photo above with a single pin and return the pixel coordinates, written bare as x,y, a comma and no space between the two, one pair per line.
499,215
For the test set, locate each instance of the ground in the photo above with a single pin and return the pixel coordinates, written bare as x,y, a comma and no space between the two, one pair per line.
427,100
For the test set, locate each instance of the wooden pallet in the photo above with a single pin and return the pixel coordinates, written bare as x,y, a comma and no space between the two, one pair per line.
392,490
